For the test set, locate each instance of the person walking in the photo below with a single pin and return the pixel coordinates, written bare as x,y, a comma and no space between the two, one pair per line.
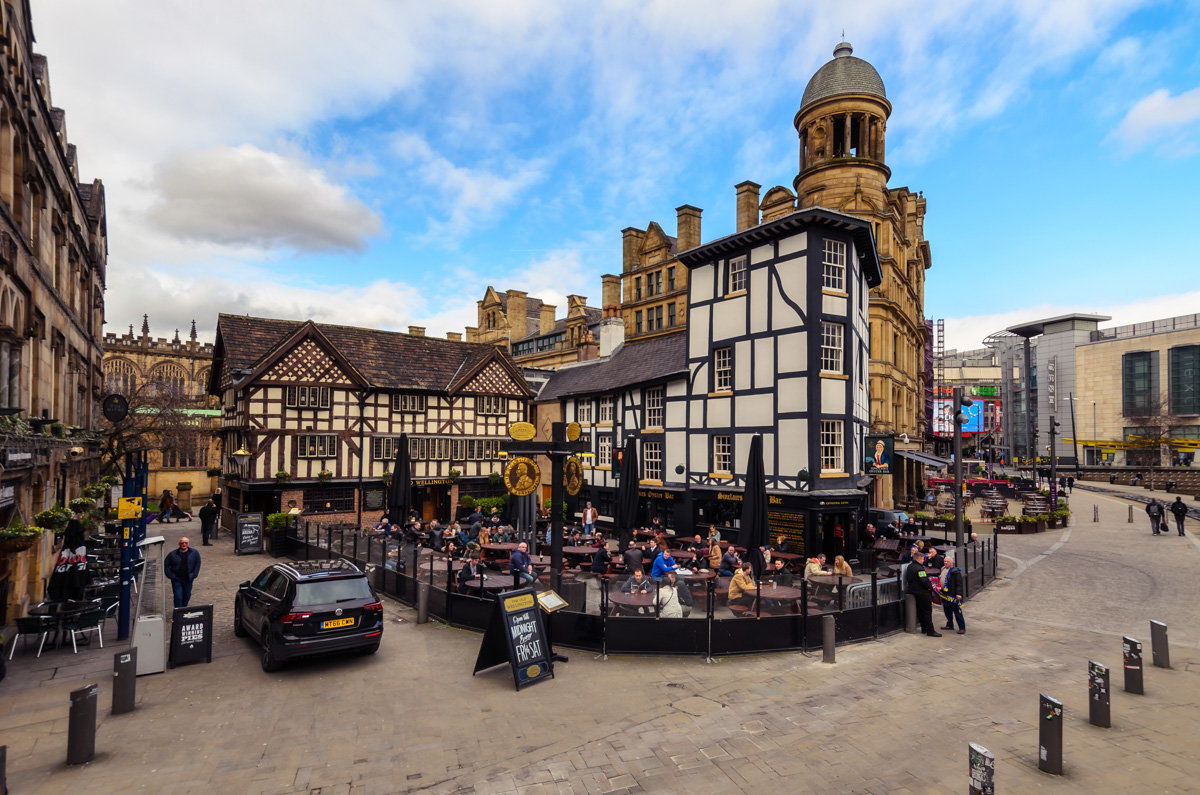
1155,511
208,521
589,520
916,581
165,503
182,567
952,596
1180,511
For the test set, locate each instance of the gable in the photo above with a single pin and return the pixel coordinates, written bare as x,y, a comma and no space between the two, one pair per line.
655,239
307,362
494,379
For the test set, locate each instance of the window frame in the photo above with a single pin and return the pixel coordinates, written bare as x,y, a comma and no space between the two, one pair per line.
833,355
833,265
737,274
409,403
652,463
833,446
607,409
723,372
604,445
655,406
722,454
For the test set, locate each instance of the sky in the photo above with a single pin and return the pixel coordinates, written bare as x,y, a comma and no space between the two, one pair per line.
381,163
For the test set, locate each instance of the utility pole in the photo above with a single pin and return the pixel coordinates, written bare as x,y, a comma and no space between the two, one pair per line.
1053,465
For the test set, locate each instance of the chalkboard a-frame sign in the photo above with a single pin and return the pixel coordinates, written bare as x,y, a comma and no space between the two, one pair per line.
517,635
248,536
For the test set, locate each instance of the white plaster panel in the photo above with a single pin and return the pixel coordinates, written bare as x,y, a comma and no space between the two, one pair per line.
793,447
762,254
755,410
790,245
741,364
729,318
769,454
700,281
676,412
698,320
718,412
833,305
833,396
674,454
793,394
697,452
793,352
764,362
793,278
760,294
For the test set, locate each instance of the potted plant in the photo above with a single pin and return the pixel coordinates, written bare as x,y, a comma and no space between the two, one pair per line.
324,475
454,475
18,538
1006,524
495,479
58,429
276,528
921,518
943,522
283,476
231,477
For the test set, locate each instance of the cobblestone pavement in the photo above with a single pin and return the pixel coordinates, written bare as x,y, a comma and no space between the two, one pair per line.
892,716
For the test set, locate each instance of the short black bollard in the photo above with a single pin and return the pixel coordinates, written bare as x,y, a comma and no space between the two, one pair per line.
124,681
983,770
1050,720
1159,651
1095,513
910,613
1099,711
827,639
3,770
1130,514
81,725
1132,651
422,602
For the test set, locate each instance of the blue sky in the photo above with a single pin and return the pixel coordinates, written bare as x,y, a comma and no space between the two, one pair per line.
382,165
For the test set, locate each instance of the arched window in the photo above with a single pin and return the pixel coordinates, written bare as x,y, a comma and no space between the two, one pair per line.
120,376
169,379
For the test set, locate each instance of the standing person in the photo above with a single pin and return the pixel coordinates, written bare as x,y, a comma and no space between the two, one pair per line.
521,564
589,520
952,596
165,503
182,567
1180,511
916,580
1155,511
1071,484
208,520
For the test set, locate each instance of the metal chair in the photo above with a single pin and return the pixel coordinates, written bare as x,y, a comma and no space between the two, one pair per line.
89,619
107,603
32,625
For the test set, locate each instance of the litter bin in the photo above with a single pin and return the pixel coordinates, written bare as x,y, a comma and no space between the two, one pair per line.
574,592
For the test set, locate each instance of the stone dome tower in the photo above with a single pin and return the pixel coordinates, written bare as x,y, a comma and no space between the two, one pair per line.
841,123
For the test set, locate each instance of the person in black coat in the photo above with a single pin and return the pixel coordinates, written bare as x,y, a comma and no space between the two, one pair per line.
634,559
916,580
182,567
1180,511
952,596
208,521
600,560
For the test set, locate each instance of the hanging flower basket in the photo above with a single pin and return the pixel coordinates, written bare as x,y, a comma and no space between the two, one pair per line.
18,539
324,475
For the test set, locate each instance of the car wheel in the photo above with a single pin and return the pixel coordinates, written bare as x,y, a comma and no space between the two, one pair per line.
269,662
238,628
366,650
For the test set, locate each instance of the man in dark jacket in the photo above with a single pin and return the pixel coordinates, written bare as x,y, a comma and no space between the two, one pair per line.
208,521
1180,512
182,567
952,596
1155,511
916,580
600,560
634,559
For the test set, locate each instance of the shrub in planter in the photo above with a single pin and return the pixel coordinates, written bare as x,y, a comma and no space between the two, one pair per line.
455,475
277,523
213,472
467,501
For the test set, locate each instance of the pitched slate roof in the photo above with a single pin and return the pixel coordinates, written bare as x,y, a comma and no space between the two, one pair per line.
634,363
387,359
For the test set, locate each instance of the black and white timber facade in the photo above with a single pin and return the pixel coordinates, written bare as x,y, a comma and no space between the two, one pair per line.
777,345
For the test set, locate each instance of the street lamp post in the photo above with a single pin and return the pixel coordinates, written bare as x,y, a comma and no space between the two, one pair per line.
1053,465
241,456
960,419
1095,438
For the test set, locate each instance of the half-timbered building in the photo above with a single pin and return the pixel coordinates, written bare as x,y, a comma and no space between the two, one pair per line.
776,345
320,408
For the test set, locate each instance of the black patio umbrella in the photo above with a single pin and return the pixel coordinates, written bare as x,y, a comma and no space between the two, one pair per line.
627,495
400,492
70,570
755,530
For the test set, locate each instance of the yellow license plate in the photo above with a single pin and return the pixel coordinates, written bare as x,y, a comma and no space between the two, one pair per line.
337,622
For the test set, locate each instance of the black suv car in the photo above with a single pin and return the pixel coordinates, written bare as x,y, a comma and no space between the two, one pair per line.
300,609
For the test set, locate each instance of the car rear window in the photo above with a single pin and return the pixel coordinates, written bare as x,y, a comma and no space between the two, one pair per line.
324,592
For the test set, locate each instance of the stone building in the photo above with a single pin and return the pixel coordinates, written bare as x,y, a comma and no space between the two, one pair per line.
842,125
527,330
53,254
320,409
653,281
134,363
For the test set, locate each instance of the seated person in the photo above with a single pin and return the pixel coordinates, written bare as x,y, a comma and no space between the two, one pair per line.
714,534
601,558
840,566
384,527
815,567
669,605
460,536
781,544
634,558
741,587
485,535
908,553
714,554
521,564
934,559
638,582
684,592
598,540
730,563
697,547
662,564
469,571
781,574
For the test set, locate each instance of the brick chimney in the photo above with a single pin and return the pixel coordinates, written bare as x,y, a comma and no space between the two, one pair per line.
631,244
611,294
687,234
454,336
416,331
518,322
546,319
747,204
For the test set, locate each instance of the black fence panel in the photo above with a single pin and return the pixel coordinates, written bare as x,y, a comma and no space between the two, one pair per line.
576,630
891,618
470,612
648,635
769,633
852,625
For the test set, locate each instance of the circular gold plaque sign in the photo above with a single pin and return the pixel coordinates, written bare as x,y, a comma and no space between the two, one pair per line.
573,431
522,431
572,475
522,476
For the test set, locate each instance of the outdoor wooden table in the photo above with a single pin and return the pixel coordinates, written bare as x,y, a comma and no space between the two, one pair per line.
681,556
632,601
698,575
833,580
490,584
780,593
497,551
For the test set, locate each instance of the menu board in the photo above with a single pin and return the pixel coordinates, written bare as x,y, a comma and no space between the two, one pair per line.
191,635
248,536
790,525
517,635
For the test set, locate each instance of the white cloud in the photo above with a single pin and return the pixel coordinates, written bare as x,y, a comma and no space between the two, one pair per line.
969,332
1160,118
243,196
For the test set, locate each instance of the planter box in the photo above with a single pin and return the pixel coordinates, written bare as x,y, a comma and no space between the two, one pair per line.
940,525
1007,527
1051,523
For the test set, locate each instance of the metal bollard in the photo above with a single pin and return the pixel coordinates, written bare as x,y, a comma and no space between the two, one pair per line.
3,770
1159,650
1099,709
1050,735
124,681
910,613
1130,514
827,639
1132,652
1095,513
81,725
983,770
422,602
